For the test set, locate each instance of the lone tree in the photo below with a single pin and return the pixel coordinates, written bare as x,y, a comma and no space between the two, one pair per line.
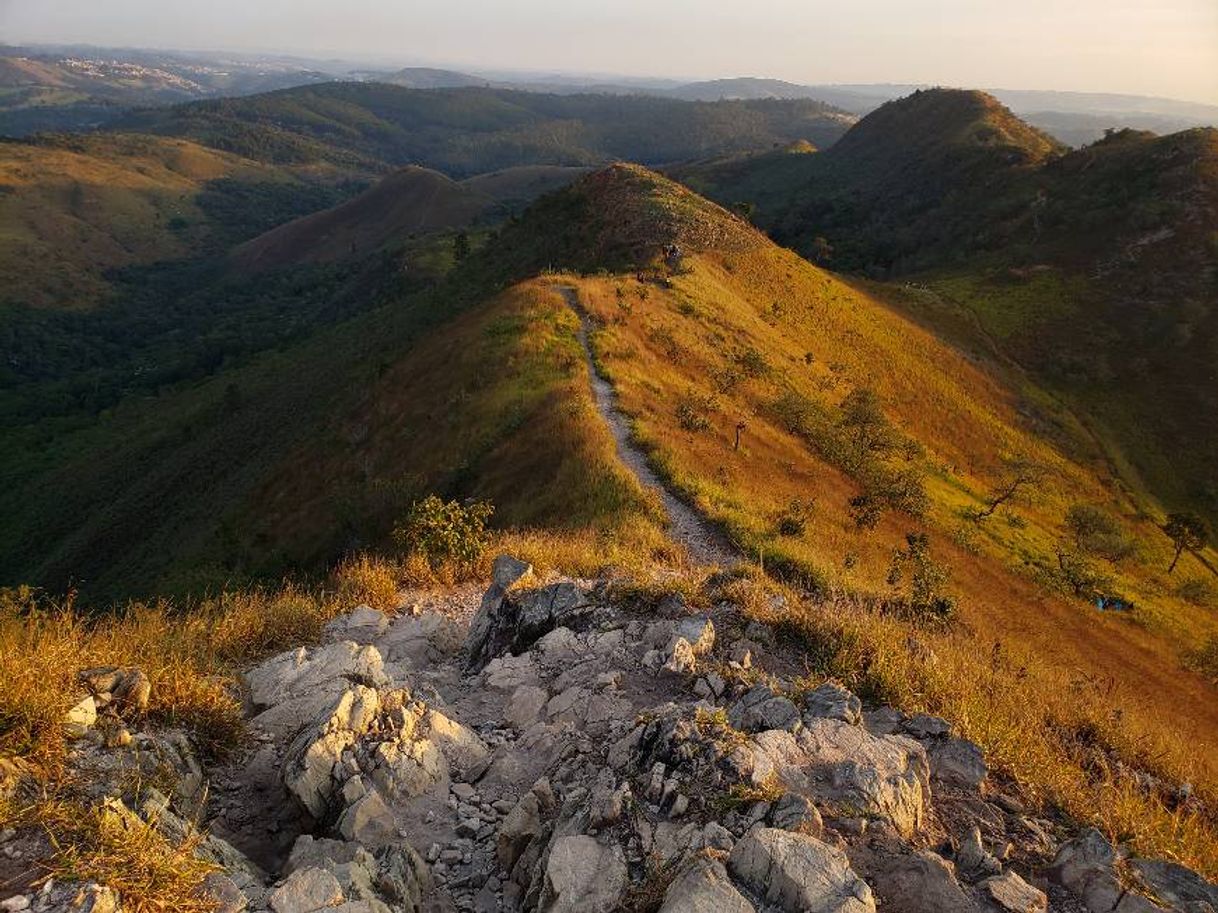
865,423
1018,475
821,250
1186,531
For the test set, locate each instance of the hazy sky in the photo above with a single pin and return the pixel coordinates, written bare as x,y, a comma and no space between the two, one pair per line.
1151,47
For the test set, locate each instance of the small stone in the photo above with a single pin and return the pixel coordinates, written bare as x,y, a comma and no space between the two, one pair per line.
463,791
1013,894
81,718
15,904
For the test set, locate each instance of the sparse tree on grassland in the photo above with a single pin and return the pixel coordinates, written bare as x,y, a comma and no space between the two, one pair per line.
1019,474
1186,531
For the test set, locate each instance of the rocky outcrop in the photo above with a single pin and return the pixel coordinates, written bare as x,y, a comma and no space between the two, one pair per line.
543,749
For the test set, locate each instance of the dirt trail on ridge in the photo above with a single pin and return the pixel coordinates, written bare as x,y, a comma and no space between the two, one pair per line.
685,525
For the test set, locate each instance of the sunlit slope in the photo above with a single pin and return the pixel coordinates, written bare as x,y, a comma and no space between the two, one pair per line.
749,334
70,210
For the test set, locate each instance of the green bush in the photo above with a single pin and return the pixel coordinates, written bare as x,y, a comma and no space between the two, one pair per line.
1098,533
693,412
922,580
445,531
1199,592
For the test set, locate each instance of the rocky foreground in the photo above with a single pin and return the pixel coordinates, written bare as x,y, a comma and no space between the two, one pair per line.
543,748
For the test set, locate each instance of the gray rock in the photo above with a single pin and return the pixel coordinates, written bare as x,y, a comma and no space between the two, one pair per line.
524,824
226,896
833,702
925,726
761,709
526,706
680,658
700,632
125,688
369,821
702,886
794,812
957,762
306,891
362,625
922,882
311,758
1174,883
973,860
583,876
1088,867
1011,893
799,874
80,719
848,771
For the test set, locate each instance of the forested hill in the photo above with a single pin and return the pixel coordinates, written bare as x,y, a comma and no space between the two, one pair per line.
467,131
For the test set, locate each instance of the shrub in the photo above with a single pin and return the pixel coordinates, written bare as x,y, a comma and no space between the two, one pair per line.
1097,532
693,412
752,363
923,578
445,531
1076,575
1199,592
794,520
1204,659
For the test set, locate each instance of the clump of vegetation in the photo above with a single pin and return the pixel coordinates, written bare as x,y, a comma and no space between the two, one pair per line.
444,532
1097,532
794,520
1198,592
752,363
693,411
921,580
1079,576
1204,659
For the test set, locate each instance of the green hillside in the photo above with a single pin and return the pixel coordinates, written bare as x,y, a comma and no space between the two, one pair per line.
463,132
1094,269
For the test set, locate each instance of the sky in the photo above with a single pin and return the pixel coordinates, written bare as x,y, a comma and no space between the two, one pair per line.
1146,47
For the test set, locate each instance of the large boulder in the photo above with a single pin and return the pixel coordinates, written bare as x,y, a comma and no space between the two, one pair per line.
292,688
849,771
314,758
922,882
583,876
1088,867
702,886
799,874
511,618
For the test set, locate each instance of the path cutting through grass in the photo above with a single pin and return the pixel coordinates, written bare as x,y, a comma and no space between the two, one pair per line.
686,526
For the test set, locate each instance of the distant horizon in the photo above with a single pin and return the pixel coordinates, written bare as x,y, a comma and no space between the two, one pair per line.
305,56
1166,49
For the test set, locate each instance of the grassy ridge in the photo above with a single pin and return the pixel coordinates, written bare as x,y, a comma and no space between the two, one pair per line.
1093,268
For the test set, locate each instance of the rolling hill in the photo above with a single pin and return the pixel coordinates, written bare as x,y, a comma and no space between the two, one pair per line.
74,209
409,202
1094,269
463,132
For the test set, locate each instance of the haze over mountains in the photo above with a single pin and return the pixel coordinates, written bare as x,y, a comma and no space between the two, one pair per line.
74,87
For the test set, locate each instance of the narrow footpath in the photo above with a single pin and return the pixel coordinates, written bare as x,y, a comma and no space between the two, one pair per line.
686,526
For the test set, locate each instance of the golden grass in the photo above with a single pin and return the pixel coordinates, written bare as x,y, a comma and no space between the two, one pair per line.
191,656
1121,677
1056,734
